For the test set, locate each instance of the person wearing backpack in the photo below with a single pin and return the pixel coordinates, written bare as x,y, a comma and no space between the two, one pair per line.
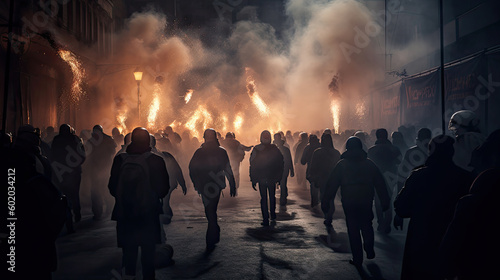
139,180
266,169
208,169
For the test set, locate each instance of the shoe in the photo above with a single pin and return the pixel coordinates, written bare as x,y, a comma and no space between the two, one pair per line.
329,229
265,223
273,216
356,263
210,248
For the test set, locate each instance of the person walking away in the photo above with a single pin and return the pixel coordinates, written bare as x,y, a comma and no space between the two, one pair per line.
100,150
138,182
387,158
306,160
68,156
208,169
287,167
323,161
429,198
266,169
357,194
300,169
236,152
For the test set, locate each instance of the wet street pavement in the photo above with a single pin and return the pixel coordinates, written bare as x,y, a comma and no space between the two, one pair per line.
296,247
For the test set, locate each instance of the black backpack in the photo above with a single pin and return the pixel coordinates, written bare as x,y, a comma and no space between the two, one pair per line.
135,199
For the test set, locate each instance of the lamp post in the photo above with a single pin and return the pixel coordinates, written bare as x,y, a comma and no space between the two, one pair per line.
138,78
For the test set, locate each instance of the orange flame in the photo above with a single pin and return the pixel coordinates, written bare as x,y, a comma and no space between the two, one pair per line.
255,97
121,118
335,109
200,117
155,106
188,96
238,122
78,73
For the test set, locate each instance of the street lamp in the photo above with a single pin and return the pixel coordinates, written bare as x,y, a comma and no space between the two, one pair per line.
138,78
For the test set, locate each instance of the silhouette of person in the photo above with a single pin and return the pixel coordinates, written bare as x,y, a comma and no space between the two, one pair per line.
469,249
465,126
68,156
398,141
289,138
117,136
138,182
484,156
40,209
428,198
413,158
287,167
300,170
323,161
100,150
387,158
357,194
266,169
49,135
126,142
362,136
236,152
208,169
306,160
176,178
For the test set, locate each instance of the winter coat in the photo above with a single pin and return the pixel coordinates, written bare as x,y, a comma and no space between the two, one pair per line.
299,150
428,198
470,247
307,156
386,156
68,150
266,164
358,179
323,161
147,230
100,149
234,150
413,158
209,167
287,160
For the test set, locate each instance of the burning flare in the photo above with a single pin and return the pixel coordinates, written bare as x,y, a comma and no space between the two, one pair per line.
255,97
121,118
78,73
188,96
155,106
335,108
200,117
238,122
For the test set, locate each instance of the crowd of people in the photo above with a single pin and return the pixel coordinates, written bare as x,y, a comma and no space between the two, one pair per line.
408,173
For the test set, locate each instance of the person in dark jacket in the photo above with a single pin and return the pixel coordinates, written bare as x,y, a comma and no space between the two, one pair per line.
300,169
287,168
236,152
138,202
323,161
387,158
306,160
101,149
266,169
68,155
429,198
359,179
208,169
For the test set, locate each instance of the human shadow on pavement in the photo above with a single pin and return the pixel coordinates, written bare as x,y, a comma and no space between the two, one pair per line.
283,215
337,241
289,235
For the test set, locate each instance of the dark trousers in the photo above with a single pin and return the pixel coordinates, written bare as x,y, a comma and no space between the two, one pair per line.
264,189
314,194
327,206
70,186
129,260
284,190
211,203
99,194
384,218
359,223
167,209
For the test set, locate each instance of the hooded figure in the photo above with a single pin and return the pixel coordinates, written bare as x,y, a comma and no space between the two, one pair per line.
287,169
236,152
208,170
306,160
323,161
266,169
387,158
100,149
300,169
66,146
428,198
138,182
358,179
465,125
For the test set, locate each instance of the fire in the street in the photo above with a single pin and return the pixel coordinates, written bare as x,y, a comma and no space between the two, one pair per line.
200,117
335,108
121,118
255,97
155,106
78,73
188,96
223,120
238,122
